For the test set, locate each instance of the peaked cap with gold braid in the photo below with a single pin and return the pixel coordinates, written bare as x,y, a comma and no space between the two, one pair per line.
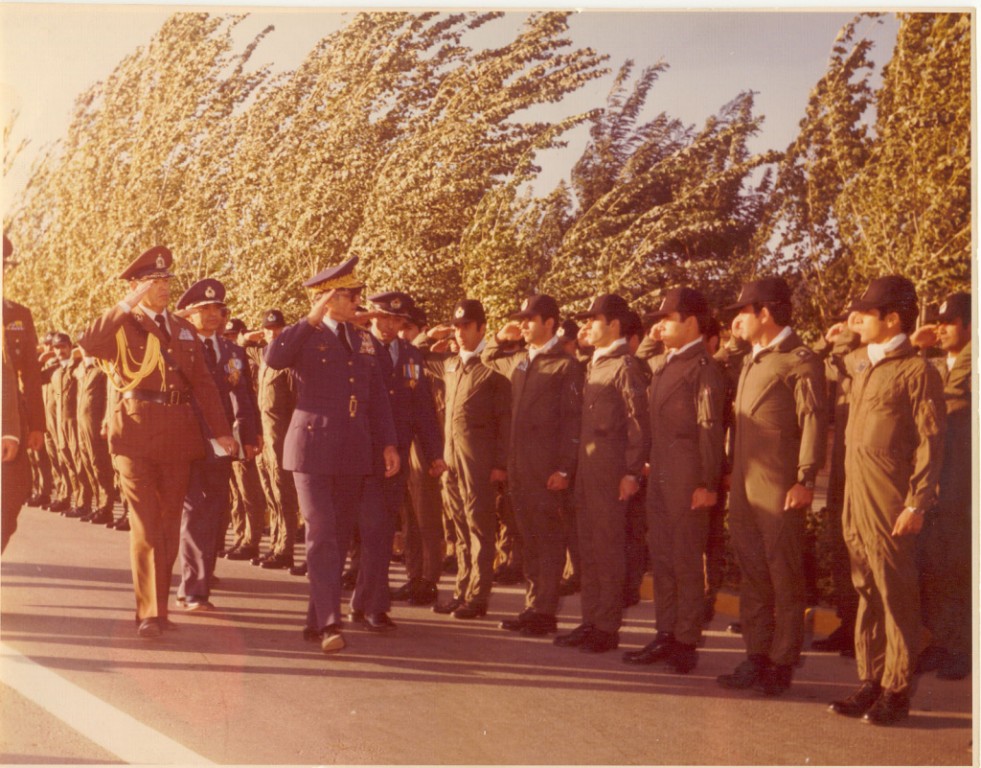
150,265
341,276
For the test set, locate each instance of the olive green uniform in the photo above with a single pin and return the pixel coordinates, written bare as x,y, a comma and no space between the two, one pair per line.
779,426
277,399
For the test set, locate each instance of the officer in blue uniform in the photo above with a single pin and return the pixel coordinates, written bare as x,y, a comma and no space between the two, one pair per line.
206,502
341,438
403,370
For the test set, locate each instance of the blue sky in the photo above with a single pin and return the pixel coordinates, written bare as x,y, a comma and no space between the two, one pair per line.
49,54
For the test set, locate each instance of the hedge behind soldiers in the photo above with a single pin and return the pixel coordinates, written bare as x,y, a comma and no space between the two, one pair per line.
779,424
22,379
687,442
478,410
207,499
893,453
613,445
546,407
158,366
341,438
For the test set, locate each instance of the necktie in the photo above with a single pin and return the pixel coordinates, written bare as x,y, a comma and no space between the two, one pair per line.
162,322
393,350
342,335
212,353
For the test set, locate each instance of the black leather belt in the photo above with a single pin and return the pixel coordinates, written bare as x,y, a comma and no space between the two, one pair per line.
173,397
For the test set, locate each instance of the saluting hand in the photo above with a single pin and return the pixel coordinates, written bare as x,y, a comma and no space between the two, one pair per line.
319,309
511,331
135,296
925,336
392,461
440,332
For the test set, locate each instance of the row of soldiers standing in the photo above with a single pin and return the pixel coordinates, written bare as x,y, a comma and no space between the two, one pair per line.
532,417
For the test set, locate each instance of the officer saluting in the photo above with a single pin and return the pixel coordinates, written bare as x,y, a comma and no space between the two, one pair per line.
157,365
340,435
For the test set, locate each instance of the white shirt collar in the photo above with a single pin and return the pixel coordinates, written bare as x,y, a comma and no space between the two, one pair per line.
607,351
757,348
331,323
951,359
675,352
878,351
534,352
466,356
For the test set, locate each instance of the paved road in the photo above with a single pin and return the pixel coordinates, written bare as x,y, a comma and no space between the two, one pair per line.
241,686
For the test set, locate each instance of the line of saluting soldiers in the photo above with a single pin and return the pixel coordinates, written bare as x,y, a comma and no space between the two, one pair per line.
596,433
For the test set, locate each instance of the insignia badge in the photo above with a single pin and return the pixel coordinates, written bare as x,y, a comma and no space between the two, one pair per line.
16,325
524,305
367,348
185,335
233,378
523,365
943,308
270,318
560,332
862,365
209,292
161,263
396,303
459,313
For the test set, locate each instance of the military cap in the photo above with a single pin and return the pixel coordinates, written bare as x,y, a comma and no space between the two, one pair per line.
48,338
418,316
202,293
540,305
340,276
8,251
394,303
60,338
467,311
272,319
150,265
568,329
631,325
234,327
957,305
687,301
885,291
610,305
767,290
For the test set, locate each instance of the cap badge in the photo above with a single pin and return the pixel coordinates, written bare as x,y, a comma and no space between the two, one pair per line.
209,292
396,303
271,318
459,313
161,262
524,305
943,308
560,332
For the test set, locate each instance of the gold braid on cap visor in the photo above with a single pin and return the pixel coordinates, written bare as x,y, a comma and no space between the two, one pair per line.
345,281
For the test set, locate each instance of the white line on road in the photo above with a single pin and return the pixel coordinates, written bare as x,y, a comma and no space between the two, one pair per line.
123,735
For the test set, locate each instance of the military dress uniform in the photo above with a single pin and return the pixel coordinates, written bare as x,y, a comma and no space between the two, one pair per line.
686,400
546,408
64,383
206,503
478,411
339,430
94,448
23,372
614,442
154,434
779,440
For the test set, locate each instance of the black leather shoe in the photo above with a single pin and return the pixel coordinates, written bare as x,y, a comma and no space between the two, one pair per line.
574,638
406,590
448,607
149,628
684,658
659,649
889,708
349,579
425,593
122,525
299,570
470,611
101,516
955,666
859,702
260,559
735,628
168,626
312,634
379,622
76,512
245,553
539,624
87,517
599,641
775,679
930,659
61,505
277,562
518,622
746,674
842,639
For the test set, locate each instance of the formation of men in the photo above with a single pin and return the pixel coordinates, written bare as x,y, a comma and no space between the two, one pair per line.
590,442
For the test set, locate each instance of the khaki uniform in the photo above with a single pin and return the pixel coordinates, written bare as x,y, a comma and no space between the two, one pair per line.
893,455
546,406
614,441
153,444
946,540
277,399
478,410
687,445
779,439
94,448
64,383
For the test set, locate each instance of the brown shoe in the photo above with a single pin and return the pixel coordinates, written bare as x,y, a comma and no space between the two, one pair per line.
859,702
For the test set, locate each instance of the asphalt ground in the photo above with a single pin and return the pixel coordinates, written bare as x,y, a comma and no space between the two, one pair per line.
240,686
